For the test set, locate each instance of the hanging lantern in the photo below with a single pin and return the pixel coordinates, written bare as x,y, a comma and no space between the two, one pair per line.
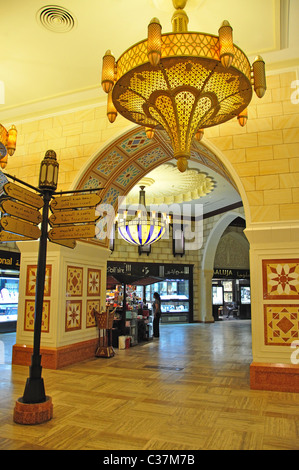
259,76
242,118
154,42
108,72
48,175
226,44
143,229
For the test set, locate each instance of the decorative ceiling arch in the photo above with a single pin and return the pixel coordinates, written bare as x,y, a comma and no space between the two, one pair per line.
121,165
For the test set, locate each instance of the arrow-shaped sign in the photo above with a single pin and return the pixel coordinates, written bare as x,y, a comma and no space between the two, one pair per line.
75,201
73,217
23,195
20,210
10,224
72,231
12,237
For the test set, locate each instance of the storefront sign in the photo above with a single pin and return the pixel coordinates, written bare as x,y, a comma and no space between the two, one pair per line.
175,271
9,260
226,273
132,269
171,271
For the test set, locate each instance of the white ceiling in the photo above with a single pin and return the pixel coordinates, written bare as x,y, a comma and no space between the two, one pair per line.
46,71
184,189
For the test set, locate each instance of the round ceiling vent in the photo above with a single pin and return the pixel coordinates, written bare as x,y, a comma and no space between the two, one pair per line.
56,19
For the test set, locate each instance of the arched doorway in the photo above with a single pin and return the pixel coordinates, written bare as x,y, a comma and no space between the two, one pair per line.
231,293
130,157
126,159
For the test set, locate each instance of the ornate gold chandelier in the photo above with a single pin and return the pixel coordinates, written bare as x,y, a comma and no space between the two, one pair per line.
8,140
182,82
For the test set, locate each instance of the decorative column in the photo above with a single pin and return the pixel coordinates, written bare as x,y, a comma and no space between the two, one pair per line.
75,283
274,273
205,286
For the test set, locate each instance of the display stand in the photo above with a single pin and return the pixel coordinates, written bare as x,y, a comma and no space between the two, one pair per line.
105,322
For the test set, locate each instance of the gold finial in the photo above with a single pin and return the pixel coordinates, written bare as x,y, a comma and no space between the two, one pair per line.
179,18
179,4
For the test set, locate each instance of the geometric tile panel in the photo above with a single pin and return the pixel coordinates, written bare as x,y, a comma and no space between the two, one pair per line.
94,282
110,198
90,318
128,175
281,324
74,282
151,157
110,163
31,280
73,315
281,279
92,182
29,316
135,143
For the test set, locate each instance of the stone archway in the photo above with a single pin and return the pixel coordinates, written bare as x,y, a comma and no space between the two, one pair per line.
129,157
214,238
207,266
126,159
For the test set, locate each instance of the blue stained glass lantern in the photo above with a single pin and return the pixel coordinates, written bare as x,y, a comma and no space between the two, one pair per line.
143,229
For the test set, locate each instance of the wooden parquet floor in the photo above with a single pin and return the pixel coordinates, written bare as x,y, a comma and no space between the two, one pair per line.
188,390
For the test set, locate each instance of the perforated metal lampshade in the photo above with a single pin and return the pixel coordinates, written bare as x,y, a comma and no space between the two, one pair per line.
8,142
182,81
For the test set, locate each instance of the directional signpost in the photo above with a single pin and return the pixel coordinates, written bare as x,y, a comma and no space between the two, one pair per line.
11,224
73,217
75,201
12,237
72,231
20,207
24,195
21,211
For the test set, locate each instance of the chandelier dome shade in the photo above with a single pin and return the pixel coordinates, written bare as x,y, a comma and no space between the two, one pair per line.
183,82
142,229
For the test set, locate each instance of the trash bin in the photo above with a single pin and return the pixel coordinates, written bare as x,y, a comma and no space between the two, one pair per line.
122,342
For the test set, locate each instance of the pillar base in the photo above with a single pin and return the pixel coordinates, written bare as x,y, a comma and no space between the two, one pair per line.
276,377
33,413
56,358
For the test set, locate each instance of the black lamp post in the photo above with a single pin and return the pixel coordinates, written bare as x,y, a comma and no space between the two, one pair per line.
34,389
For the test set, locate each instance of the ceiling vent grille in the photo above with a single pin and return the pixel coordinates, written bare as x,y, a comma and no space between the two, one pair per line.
56,19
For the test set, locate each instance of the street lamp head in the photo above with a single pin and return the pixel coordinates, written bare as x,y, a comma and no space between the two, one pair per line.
48,175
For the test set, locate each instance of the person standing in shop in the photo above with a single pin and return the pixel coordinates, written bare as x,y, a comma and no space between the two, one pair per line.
157,314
